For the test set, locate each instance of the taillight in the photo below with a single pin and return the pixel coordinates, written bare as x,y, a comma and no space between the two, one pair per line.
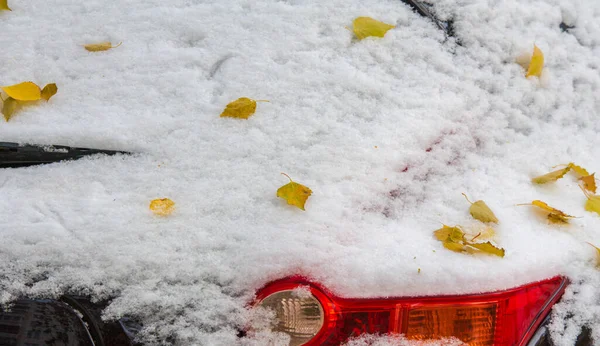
499,318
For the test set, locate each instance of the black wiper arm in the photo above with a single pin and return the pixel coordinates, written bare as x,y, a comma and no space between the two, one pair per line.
424,11
16,155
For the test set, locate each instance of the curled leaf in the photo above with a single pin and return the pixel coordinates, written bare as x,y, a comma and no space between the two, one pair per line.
555,215
26,91
49,91
4,5
364,27
480,211
8,108
489,248
99,47
241,108
536,64
582,172
552,176
295,194
162,206
589,182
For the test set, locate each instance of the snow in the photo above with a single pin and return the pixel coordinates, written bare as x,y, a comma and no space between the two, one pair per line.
386,132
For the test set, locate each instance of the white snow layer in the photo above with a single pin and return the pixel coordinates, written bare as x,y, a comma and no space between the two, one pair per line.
387,133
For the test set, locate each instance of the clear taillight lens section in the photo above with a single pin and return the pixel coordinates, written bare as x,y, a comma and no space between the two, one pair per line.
499,318
299,317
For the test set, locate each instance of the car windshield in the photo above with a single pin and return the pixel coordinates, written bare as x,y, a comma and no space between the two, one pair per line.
386,132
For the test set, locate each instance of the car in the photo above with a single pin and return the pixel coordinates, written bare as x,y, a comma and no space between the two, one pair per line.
381,135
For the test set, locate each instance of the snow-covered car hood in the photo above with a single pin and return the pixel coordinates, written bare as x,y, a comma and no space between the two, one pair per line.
386,132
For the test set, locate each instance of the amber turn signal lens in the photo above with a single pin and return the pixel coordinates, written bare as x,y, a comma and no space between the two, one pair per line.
301,317
472,324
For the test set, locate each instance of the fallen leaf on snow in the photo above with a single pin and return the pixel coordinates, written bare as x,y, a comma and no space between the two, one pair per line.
295,194
593,202
597,254
480,211
26,91
578,169
589,182
8,108
49,91
536,64
552,176
162,206
241,108
555,215
453,238
99,47
364,27
4,5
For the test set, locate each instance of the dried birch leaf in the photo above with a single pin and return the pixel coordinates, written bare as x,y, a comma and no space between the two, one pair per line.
582,172
241,108
295,194
26,91
4,5
8,108
537,63
480,211
554,215
162,206
49,91
593,202
99,47
364,27
552,176
589,182
489,248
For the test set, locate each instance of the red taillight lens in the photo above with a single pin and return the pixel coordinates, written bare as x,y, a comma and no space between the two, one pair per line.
500,318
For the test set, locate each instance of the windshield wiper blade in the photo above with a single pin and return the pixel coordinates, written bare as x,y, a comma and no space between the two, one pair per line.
424,11
14,155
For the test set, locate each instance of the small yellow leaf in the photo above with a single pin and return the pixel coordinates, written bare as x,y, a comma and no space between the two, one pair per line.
488,248
593,204
366,26
456,247
4,5
99,47
162,206
295,194
537,63
589,182
49,91
480,211
8,108
578,169
445,233
241,108
554,215
552,176
26,91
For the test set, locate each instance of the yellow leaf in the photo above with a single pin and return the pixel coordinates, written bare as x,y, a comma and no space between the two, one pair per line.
578,169
537,63
456,247
597,254
593,204
554,215
26,91
241,108
552,176
480,211
589,182
49,91
8,108
98,47
488,248
295,194
445,233
4,5
366,26
162,206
